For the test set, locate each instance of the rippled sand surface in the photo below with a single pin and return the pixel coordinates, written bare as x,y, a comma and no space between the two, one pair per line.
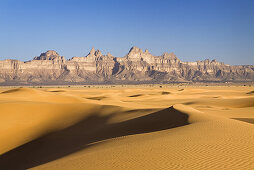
131,127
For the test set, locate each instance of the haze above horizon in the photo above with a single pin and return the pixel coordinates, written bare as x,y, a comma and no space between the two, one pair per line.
193,30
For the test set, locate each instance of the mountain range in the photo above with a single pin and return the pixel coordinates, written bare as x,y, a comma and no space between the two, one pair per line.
136,67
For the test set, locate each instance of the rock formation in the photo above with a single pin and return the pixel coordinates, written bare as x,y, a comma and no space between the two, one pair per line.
136,67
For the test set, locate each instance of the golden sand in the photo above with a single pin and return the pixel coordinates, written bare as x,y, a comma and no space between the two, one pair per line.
127,128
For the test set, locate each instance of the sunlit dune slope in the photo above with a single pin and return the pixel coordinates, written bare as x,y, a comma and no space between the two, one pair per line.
127,128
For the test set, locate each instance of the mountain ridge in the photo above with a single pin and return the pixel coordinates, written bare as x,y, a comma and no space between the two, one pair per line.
137,66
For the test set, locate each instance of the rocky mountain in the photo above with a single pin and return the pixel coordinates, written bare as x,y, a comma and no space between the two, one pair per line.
137,66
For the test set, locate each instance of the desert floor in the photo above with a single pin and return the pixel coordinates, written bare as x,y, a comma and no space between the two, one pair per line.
129,127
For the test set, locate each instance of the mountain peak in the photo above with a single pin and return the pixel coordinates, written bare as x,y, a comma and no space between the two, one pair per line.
92,51
48,55
51,52
135,49
167,55
135,53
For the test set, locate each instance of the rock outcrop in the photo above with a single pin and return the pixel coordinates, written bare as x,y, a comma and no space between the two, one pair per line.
136,67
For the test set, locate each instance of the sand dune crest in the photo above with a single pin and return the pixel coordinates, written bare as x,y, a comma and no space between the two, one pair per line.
92,129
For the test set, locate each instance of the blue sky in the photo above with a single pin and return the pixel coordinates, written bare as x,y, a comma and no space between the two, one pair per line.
192,29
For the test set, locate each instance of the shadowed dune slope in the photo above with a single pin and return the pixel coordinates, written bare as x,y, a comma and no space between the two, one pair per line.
92,129
20,90
249,120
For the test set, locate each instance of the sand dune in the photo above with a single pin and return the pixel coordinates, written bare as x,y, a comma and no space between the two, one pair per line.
127,128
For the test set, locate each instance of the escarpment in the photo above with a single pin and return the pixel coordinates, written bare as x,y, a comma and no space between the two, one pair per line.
137,66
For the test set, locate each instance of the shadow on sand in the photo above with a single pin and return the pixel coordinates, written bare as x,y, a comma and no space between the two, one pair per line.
78,137
248,120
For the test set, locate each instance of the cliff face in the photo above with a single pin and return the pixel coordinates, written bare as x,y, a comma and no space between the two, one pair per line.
136,66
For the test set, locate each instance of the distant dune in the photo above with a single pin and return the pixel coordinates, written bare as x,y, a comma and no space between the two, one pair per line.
132,127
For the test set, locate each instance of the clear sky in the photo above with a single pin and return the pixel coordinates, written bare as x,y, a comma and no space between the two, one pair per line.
192,29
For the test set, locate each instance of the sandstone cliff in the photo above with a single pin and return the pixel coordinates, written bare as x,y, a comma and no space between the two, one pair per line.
136,66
